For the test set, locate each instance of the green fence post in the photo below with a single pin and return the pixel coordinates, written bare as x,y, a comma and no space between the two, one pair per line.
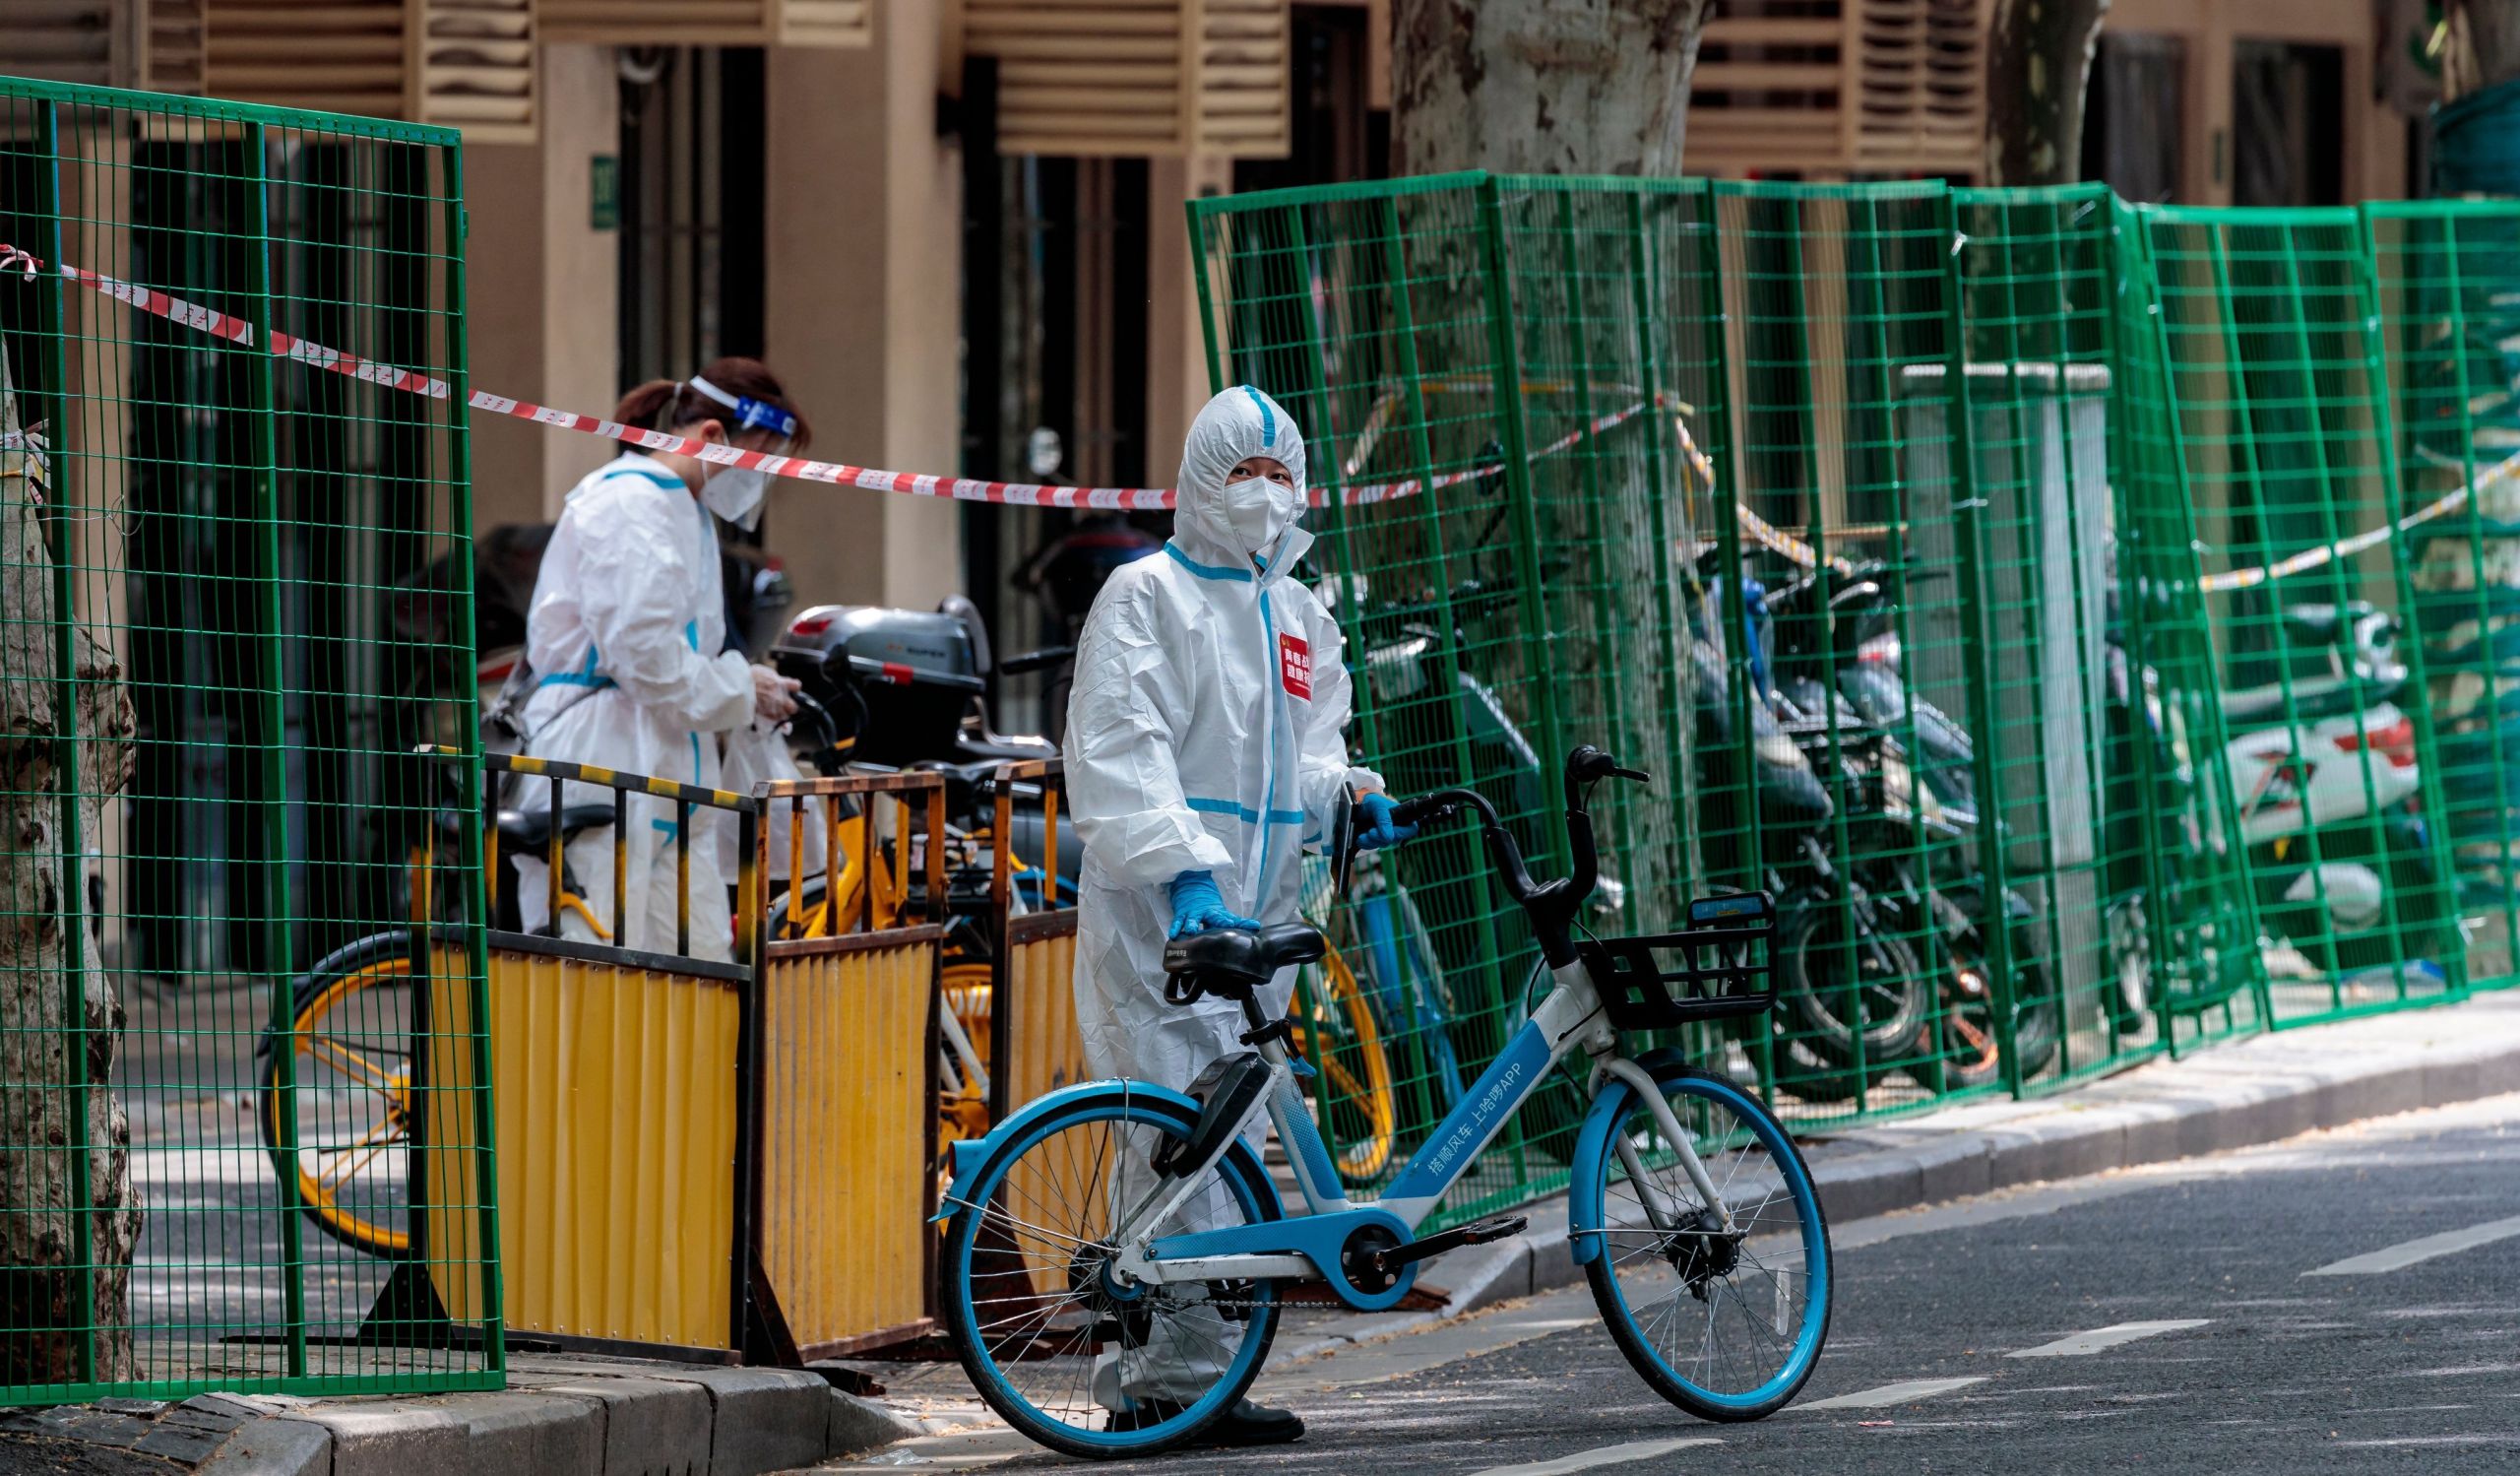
1507,370
493,1310
264,406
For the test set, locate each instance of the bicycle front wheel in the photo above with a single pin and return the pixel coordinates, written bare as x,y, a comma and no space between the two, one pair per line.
1722,1310
349,1112
1064,1346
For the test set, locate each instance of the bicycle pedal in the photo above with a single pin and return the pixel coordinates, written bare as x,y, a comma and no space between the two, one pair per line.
1497,1229
1477,1233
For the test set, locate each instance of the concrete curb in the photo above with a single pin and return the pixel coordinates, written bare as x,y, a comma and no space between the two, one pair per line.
567,1416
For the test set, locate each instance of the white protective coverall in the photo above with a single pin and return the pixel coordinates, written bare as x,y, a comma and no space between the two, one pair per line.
627,630
1204,735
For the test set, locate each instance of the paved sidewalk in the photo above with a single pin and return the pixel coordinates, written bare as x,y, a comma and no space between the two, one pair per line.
582,1416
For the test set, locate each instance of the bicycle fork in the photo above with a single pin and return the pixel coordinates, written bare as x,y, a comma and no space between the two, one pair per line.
1658,1207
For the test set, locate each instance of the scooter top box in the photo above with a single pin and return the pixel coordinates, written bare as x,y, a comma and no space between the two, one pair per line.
912,676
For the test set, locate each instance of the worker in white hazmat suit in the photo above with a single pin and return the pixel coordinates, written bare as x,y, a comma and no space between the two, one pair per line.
626,638
1203,753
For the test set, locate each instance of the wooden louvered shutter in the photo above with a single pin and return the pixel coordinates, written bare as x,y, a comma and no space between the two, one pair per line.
467,63
338,55
710,22
1920,85
1238,90
1769,91
1861,87
152,44
826,23
1136,78
478,68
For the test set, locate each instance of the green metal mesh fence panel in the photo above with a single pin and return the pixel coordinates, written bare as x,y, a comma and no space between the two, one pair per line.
2280,408
2192,897
1838,310
238,595
1533,347
2011,578
2447,276
2037,274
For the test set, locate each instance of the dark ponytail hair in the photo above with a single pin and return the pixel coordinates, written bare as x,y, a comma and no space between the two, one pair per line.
670,405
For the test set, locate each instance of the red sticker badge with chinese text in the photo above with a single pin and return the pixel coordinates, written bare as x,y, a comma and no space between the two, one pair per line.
1294,666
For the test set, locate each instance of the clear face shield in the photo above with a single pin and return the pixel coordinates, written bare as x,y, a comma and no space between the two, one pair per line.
737,494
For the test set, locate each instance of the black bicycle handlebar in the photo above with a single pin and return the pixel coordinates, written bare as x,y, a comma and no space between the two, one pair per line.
1552,905
1034,661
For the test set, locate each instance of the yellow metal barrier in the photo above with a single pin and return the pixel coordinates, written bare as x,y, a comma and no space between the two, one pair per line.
729,1160
615,1092
624,1130
1034,1046
847,1081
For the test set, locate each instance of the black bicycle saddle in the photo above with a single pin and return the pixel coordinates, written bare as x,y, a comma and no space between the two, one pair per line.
1233,961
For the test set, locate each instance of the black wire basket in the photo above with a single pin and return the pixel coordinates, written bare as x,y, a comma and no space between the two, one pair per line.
1718,968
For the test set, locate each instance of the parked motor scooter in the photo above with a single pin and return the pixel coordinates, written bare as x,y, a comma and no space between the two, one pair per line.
1854,1001
2325,775
1917,771
1064,575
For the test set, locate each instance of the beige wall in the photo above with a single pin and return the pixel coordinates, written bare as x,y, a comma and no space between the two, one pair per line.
542,291
1176,346
2374,164
865,264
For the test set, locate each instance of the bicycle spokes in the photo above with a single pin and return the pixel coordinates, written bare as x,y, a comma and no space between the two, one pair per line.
1718,1290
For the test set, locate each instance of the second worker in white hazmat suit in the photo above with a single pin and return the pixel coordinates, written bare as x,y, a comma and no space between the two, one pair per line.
627,638
1204,751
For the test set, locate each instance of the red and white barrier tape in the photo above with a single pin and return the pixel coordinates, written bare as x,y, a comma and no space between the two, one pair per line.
961,489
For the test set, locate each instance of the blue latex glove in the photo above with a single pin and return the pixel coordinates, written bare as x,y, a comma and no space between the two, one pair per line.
1377,831
1198,907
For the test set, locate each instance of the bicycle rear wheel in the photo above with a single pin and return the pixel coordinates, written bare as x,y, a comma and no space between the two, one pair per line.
1335,1030
1067,1350
1725,1320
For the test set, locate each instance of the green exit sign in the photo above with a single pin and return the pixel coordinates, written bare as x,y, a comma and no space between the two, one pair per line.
604,179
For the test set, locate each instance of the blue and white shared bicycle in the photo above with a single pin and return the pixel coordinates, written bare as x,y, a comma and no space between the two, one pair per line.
1116,1253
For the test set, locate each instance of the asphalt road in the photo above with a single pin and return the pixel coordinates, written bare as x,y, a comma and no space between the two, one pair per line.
2184,1324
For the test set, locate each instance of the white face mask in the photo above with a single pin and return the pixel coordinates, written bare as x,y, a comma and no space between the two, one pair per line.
1258,511
735,493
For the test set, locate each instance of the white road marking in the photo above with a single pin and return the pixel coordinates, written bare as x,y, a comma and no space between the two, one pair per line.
1895,1393
2398,1257
1606,1455
2108,1337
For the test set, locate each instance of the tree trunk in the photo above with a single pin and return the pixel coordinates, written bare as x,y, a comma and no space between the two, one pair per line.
2480,46
1542,87
2038,73
47,1296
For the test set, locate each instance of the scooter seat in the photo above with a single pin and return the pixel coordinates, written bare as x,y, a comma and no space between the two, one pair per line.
529,831
2317,624
2313,699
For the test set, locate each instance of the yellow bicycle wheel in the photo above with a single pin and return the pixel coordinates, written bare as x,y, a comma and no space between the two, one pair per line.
964,1113
349,1051
1335,1030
